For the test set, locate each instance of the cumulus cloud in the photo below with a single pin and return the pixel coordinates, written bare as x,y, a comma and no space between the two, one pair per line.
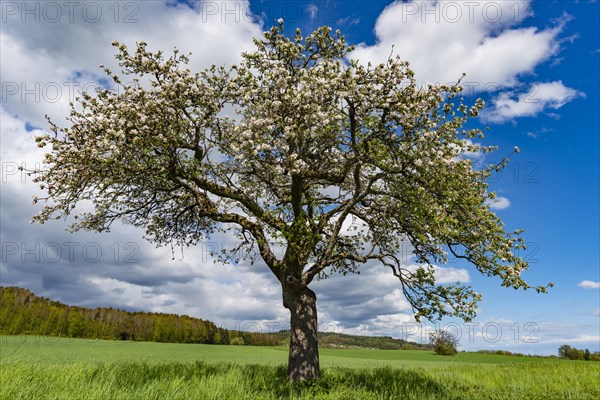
527,336
442,40
451,275
484,39
589,284
352,300
445,274
46,62
499,203
476,156
541,96
381,325
354,226
490,333
355,303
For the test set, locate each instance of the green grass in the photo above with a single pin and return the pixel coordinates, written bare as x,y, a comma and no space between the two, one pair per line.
51,368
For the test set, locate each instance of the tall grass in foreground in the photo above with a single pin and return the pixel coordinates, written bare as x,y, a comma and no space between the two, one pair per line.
175,380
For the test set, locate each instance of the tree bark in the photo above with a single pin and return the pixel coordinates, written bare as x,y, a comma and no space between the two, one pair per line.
303,361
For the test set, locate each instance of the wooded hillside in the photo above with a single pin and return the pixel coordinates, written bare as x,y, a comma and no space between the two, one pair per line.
24,313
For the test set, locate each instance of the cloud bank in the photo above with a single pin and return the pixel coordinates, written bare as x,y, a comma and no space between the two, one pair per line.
483,39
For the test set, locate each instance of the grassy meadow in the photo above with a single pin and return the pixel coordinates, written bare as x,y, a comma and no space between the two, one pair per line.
59,368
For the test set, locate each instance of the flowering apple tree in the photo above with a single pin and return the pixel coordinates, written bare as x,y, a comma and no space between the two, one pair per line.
297,148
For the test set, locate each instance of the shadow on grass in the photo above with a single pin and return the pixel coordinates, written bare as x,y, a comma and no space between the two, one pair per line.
388,382
271,382
129,375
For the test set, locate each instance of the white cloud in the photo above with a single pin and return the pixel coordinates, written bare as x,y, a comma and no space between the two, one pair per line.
451,275
388,325
540,96
589,284
443,39
45,64
18,150
499,203
575,339
353,226
527,336
313,11
130,295
445,274
475,156
348,21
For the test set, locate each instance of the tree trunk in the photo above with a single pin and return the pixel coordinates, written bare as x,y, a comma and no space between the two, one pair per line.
303,361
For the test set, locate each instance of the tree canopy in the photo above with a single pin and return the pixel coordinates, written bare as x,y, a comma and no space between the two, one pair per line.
444,343
297,148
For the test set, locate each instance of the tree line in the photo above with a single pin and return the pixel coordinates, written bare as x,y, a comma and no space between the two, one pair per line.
571,353
24,313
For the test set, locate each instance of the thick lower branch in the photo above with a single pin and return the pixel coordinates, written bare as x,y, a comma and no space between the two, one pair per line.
207,209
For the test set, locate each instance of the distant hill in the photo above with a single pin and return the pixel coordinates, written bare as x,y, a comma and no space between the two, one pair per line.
22,312
342,340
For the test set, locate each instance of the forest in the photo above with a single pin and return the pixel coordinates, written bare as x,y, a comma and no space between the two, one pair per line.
24,313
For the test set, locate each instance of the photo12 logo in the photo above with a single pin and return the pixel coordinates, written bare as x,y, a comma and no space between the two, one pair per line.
70,252
461,11
52,12
489,332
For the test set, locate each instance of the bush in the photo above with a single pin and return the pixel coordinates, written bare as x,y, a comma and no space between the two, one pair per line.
444,343
239,341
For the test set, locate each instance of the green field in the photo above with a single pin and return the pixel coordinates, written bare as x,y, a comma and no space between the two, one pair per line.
53,368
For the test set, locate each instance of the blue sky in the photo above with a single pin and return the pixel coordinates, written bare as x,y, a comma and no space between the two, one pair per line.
535,63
